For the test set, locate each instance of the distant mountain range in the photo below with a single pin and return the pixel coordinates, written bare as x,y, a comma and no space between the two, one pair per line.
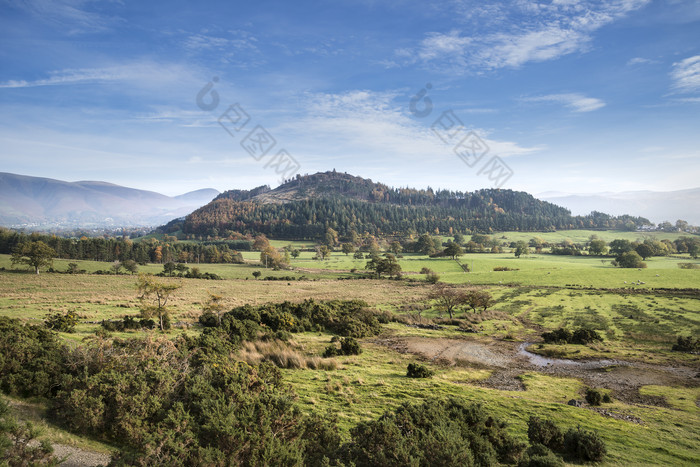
655,206
43,202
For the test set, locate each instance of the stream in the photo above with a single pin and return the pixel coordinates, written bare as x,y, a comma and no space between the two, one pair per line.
541,361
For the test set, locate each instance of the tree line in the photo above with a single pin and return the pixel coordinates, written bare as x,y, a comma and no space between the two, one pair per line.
124,249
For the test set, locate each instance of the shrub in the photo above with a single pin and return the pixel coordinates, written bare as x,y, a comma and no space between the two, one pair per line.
348,346
416,370
594,396
432,278
545,433
31,359
689,266
449,433
687,344
127,323
538,455
585,336
564,336
584,445
558,336
61,322
18,444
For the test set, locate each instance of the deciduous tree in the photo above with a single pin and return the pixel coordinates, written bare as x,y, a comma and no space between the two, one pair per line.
154,296
448,299
35,254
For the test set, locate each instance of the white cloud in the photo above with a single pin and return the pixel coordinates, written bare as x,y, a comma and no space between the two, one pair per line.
576,102
373,126
686,75
528,32
641,61
137,72
71,16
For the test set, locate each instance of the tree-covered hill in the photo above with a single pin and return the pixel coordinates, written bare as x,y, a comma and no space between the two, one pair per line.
307,205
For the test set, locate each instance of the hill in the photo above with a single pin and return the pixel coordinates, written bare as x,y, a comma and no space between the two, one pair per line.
33,201
307,205
656,206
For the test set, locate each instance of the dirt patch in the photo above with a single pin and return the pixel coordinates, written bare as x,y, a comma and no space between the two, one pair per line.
453,350
79,457
504,380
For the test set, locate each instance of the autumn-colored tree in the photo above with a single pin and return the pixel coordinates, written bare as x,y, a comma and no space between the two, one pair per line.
158,254
261,243
271,258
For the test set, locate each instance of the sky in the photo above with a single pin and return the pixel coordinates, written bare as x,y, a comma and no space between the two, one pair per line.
567,96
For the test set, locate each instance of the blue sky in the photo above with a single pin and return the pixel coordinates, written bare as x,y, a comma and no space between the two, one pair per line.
570,95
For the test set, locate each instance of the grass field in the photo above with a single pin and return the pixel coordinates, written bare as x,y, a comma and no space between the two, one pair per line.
638,323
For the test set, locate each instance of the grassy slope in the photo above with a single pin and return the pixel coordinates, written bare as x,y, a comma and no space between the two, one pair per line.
368,384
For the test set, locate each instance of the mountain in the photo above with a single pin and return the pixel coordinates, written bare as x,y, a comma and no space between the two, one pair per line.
34,201
305,207
656,206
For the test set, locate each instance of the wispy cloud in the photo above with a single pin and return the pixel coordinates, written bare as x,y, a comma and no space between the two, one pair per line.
144,72
527,32
574,101
237,47
686,75
375,124
73,16
641,61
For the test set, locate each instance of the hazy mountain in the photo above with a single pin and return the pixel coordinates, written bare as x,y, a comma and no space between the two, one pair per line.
306,206
34,201
655,206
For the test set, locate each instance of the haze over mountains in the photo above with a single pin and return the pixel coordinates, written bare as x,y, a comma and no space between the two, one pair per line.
655,206
43,202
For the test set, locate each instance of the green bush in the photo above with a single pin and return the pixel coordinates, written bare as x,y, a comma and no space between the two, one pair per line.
184,402
538,455
558,336
545,433
416,370
61,322
444,433
594,396
350,318
564,336
31,359
585,336
687,344
127,323
348,346
584,445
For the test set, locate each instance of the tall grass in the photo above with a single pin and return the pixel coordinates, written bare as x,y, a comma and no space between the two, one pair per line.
283,355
